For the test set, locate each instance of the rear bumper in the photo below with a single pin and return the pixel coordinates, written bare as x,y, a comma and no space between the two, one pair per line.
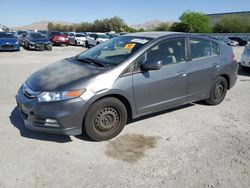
62,117
234,74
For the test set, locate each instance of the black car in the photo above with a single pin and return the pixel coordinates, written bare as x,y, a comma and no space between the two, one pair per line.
240,40
21,39
37,41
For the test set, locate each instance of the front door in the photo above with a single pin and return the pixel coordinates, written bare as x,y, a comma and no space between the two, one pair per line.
159,89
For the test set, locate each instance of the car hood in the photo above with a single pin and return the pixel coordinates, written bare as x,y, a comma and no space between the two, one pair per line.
65,75
9,40
39,40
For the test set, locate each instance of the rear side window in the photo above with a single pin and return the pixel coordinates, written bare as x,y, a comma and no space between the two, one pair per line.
200,48
215,49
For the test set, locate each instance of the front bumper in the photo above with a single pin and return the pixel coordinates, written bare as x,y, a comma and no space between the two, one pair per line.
80,42
60,117
38,46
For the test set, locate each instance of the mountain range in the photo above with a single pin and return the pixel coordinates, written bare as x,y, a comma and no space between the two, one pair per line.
42,25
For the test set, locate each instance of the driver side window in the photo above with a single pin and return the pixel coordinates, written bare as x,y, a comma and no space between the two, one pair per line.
170,51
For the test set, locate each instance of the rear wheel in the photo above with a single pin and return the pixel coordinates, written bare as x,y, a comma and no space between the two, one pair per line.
218,91
86,44
105,119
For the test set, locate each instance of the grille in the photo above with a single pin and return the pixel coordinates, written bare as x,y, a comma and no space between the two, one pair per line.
7,46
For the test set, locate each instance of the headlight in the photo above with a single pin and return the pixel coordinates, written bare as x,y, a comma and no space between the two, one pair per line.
16,42
58,95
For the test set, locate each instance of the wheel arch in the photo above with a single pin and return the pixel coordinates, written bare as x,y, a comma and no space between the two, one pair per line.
122,98
227,79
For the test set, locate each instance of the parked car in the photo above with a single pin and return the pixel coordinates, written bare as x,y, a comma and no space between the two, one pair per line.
37,41
21,39
8,42
19,33
96,38
124,78
241,41
227,41
77,39
111,34
58,38
45,33
245,58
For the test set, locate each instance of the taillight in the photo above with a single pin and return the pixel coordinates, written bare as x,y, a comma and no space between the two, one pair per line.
233,58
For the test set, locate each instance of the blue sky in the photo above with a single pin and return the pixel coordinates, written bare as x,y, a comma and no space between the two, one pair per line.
24,12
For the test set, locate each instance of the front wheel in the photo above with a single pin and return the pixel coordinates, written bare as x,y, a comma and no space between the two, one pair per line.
218,91
105,119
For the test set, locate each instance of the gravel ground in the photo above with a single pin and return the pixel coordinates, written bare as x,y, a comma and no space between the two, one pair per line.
191,146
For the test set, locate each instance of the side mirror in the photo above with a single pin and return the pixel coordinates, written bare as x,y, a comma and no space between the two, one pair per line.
151,65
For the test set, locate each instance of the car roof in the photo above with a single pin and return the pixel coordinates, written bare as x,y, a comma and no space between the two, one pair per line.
153,34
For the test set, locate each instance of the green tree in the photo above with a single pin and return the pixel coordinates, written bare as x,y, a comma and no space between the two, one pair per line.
232,24
192,22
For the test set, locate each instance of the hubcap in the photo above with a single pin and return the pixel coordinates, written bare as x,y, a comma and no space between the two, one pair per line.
106,119
219,90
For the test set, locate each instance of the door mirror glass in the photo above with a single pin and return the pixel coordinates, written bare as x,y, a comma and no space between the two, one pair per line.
151,65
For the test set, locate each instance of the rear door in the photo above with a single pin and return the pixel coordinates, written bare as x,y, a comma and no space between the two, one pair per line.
203,67
159,89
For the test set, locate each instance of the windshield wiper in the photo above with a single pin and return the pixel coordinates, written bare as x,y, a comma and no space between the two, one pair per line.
92,61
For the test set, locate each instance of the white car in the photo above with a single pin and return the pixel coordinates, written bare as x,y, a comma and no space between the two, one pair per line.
96,38
245,58
77,39
233,43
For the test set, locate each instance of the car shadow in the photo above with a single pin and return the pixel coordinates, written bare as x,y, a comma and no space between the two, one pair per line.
245,72
17,121
160,113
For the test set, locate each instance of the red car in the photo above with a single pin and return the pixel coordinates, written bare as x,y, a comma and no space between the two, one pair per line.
58,38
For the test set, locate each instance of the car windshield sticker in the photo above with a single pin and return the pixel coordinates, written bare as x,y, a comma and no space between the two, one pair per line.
129,46
141,41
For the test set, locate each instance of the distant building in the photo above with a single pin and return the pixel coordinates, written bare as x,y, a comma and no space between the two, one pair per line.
214,18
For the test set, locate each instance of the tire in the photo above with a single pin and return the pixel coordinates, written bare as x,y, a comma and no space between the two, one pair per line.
97,43
27,46
76,43
42,48
48,47
105,119
218,91
86,44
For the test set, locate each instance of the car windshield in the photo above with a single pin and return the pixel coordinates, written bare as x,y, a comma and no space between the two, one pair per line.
247,48
21,32
56,33
116,50
43,32
80,35
103,36
36,35
6,35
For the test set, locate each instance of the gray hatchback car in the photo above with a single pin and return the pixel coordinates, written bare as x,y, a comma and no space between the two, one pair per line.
124,78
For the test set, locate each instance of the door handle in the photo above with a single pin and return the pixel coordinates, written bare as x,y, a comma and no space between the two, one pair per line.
181,74
215,66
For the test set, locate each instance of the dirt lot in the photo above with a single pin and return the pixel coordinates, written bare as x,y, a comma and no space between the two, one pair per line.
192,146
